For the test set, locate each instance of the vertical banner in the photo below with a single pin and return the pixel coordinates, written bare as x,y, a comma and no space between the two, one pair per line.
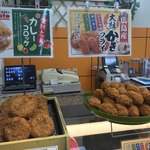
25,33
99,32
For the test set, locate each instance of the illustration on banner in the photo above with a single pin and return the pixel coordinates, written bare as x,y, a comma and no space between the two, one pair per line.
99,32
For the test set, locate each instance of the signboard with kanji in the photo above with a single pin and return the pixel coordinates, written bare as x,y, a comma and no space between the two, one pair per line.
99,32
25,33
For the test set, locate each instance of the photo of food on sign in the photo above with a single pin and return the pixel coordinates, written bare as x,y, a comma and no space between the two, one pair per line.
5,37
99,32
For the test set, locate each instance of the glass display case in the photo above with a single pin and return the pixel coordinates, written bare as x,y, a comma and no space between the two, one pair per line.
95,133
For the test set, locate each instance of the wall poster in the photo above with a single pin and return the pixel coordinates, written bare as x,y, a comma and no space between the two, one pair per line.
99,32
25,33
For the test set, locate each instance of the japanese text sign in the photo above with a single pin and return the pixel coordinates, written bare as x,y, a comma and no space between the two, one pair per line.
25,33
99,32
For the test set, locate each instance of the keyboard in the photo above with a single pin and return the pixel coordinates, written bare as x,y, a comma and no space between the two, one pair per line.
19,87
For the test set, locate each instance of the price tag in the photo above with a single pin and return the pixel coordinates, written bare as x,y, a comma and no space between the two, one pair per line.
45,148
139,144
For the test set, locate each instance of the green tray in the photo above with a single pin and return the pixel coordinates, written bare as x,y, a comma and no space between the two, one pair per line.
114,118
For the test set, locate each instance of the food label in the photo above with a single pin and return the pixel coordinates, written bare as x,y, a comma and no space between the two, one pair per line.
139,144
27,33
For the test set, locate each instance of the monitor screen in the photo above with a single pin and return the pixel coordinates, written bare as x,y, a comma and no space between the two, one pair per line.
109,61
14,74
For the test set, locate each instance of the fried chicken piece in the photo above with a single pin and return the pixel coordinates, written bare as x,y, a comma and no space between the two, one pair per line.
99,93
112,92
114,85
94,102
124,100
144,110
23,105
133,111
105,85
108,108
108,100
121,110
132,87
137,98
18,129
41,125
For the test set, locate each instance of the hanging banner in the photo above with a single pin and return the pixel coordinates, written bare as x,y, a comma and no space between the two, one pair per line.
99,32
25,33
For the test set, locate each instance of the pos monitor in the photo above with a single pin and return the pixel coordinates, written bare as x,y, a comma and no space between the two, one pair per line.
110,61
14,74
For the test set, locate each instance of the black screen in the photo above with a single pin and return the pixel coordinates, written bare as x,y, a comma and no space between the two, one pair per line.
109,61
14,74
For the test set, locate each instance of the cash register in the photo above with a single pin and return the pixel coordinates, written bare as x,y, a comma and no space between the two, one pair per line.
110,69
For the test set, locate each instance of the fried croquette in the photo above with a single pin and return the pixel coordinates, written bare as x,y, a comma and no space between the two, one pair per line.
18,129
112,92
114,85
23,105
121,85
144,91
136,97
39,111
133,111
4,121
144,110
95,102
41,125
124,100
146,98
105,85
132,87
1,134
108,100
41,102
99,93
121,110
146,95
108,108
122,90
5,107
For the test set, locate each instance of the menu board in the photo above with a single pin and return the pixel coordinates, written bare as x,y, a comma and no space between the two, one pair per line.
25,33
99,32
138,144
